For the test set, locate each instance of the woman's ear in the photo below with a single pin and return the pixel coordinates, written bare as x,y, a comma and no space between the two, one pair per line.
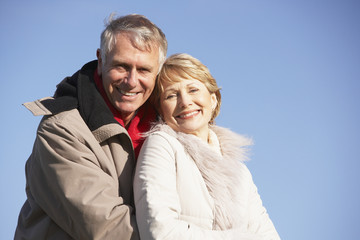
213,101
160,114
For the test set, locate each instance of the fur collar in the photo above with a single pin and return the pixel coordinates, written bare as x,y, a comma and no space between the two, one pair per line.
220,171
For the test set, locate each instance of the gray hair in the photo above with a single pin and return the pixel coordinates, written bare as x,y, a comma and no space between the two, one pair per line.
143,34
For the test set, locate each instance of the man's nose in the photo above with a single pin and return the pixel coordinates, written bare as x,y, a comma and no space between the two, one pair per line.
131,79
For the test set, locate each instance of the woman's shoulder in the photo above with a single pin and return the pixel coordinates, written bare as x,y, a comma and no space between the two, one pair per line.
162,136
160,145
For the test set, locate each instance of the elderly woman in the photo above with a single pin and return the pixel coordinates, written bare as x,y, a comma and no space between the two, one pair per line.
190,180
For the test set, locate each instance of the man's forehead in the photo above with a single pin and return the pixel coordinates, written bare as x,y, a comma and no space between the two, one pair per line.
137,41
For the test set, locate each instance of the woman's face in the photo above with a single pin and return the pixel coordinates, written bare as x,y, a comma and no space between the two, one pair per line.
186,106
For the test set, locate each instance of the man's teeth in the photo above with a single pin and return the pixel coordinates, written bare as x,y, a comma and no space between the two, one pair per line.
127,93
188,114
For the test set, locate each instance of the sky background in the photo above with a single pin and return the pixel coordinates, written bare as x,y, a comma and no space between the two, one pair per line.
290,77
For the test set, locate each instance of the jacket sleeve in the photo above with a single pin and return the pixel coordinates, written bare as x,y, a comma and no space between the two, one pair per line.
68,182
259,220
156,198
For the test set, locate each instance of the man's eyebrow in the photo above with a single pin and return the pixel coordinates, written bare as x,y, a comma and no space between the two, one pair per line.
119,62
148,67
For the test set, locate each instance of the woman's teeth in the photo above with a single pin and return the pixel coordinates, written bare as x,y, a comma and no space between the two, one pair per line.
188,114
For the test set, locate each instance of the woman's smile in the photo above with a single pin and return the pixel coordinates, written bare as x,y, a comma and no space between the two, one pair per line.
186,106
188,114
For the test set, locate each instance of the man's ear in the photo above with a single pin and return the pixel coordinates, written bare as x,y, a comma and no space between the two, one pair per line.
99,67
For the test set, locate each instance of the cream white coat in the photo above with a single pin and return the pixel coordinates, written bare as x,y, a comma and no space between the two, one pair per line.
186,189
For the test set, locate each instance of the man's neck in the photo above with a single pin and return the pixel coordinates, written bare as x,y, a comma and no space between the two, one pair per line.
127,117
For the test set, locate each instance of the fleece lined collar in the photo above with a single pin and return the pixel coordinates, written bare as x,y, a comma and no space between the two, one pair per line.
78,91
81,92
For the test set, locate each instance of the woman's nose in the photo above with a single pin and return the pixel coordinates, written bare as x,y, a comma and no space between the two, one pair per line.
185,100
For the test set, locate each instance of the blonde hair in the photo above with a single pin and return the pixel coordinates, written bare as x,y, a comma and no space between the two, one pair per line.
183,66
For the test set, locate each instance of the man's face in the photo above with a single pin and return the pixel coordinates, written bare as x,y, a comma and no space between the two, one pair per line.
128,75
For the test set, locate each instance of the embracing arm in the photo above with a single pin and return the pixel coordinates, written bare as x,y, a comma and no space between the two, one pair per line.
158,207
74,189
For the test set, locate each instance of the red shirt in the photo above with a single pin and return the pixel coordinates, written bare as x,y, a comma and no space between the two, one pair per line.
140,123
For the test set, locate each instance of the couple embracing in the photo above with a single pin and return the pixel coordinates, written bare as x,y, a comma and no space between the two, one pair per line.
128,149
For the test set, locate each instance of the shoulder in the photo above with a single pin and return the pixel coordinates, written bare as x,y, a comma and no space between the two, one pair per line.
69,119
161,140
64,124
72,123
161,145
161,133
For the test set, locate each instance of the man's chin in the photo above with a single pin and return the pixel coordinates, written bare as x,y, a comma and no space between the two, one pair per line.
127,108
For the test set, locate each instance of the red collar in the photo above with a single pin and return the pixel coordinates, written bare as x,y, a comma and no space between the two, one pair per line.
140,123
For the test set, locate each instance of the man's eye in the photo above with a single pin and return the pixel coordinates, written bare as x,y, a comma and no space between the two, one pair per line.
120,67
144,70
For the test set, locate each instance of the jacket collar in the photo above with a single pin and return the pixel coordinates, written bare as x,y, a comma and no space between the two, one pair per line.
220,171
79,92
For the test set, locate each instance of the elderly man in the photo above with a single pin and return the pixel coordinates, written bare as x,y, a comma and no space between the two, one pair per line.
79,175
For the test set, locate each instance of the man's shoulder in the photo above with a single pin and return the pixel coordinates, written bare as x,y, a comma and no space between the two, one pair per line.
72,122
65,97
70,119
49,106
37,108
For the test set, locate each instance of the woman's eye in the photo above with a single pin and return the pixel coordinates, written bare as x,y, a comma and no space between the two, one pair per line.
170,96
193,90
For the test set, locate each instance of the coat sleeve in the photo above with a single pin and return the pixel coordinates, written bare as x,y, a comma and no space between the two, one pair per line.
156,199
67,181
259,220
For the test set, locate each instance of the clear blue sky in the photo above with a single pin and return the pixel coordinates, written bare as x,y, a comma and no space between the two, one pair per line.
290,78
